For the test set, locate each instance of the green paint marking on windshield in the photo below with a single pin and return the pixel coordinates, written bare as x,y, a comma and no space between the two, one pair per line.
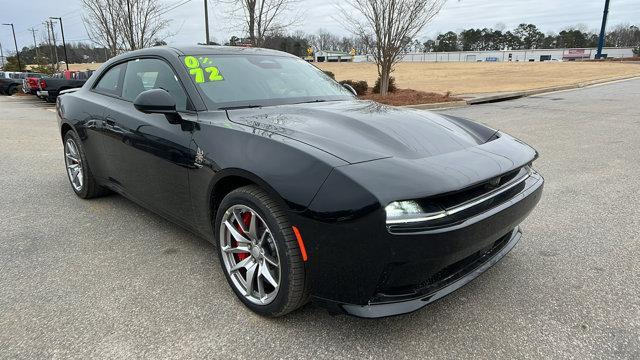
193,64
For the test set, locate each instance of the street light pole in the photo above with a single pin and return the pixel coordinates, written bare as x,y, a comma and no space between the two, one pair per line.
603,30
206,20
35,45
133,44
64,44
16,45
2,56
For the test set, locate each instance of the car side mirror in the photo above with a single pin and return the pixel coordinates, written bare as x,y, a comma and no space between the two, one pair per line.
157,101
350,88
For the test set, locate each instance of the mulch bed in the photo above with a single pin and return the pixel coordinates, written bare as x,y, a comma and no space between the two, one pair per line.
409,97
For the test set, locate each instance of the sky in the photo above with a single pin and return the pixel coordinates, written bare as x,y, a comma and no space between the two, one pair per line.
187,22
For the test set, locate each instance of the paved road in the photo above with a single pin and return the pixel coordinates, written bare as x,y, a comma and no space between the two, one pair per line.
106,278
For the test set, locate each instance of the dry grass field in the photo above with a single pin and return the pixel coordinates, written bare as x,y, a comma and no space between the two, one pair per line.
470,78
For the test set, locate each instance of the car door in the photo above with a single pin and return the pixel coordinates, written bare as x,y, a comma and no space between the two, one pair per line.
90,127
149,157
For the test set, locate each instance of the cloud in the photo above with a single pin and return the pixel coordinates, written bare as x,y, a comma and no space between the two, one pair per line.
188,23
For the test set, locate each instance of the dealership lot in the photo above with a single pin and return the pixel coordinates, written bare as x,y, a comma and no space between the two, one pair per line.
106,278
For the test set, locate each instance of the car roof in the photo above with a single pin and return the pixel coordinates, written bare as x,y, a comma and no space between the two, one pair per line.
204,50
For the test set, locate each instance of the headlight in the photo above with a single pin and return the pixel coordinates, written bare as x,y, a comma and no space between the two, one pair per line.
402,212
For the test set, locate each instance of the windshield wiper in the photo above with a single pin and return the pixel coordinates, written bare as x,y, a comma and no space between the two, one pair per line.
311,101
239,107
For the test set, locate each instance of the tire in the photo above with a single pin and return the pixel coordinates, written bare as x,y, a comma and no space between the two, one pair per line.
278,244
50,99
12,90
86,187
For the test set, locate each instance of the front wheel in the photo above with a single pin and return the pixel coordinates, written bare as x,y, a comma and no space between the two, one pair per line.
259,253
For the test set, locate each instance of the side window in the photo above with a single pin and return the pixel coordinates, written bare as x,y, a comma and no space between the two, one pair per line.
147,74
109,83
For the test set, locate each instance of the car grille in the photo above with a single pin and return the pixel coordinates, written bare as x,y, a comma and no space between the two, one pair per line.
463,204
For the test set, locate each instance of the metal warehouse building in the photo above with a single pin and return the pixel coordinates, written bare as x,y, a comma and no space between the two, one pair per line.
514,55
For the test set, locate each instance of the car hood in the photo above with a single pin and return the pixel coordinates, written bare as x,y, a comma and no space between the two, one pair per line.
359,131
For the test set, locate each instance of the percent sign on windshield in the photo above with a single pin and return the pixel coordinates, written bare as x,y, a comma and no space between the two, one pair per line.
195,68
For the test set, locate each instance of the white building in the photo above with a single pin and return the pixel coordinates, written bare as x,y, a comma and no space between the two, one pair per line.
516,55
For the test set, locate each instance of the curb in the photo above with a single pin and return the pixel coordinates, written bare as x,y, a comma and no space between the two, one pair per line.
521,94
441,105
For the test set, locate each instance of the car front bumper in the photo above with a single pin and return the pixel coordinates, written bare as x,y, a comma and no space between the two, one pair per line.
358,267
475,269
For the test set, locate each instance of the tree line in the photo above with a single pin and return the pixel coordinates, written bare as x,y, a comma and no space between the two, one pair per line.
528,36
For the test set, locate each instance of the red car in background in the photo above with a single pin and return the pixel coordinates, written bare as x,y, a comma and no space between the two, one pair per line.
30,83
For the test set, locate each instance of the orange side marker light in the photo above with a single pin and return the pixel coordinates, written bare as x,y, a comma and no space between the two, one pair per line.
303,250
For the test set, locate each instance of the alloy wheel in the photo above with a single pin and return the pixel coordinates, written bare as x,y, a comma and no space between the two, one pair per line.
250,254
74,164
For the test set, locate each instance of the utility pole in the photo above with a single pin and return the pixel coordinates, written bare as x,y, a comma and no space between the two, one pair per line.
603,30
206,20
46,23
64,44
2,56
16,44
35,45
133,46
55,45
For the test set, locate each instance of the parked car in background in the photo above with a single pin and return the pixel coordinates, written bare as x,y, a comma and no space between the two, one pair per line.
50,88
30,83
10,81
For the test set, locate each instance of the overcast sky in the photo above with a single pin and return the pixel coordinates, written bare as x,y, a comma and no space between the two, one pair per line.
188,24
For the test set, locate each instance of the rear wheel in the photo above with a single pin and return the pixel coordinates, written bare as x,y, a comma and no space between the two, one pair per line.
82,181
12,90
259,253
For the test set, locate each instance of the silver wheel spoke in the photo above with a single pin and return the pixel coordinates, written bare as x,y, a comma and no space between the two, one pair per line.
271,260
266,274
261,292
264,236
249,279
239,220
252,226
242,264
236,250
236,235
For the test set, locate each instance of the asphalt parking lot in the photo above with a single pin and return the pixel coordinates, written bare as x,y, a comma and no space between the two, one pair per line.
106,278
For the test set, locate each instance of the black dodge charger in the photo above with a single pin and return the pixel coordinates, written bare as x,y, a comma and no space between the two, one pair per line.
308,192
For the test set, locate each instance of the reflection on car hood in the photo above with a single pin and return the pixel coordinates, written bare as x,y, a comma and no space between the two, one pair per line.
358,131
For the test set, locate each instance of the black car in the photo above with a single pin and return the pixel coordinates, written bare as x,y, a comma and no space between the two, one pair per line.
309,193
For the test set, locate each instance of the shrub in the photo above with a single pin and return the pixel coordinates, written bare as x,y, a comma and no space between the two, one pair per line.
392,85
360,87
331,74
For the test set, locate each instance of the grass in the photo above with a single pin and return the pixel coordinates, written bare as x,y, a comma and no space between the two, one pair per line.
469,78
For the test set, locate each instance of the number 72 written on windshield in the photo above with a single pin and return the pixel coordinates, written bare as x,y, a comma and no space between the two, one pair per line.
198,72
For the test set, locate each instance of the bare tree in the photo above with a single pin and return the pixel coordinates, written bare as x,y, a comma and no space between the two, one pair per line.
385,25
263,17
124,24
143,27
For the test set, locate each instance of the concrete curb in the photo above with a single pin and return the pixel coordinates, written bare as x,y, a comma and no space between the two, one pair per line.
520,94
441,105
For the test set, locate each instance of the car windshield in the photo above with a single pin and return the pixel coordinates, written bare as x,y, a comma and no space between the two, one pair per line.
227,81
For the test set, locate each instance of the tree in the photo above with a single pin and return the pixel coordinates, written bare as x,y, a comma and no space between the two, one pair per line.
530,36
265,17
11,64
387,24
120,25
447,42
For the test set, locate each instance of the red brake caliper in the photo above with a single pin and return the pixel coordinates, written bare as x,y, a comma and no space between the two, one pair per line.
246,219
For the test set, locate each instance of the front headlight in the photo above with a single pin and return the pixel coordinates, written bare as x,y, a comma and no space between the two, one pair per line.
402,212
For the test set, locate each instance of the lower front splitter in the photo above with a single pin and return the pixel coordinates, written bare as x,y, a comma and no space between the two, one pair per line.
407,306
